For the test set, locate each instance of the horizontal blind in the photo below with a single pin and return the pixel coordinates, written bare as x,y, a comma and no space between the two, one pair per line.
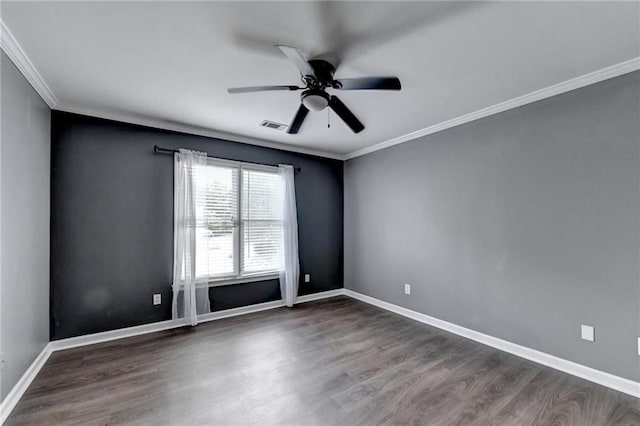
261,221
239,221
217,227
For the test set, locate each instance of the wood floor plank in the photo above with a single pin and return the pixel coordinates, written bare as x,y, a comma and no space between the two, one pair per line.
330,362
498,389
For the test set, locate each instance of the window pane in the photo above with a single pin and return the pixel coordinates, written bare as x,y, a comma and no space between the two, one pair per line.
217,232
215,253
261,246
262,221
260,195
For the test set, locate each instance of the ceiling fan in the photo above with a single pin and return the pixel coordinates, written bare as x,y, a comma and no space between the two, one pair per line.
317,75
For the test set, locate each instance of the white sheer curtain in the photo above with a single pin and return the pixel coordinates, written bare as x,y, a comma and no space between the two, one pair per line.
189,187
290,266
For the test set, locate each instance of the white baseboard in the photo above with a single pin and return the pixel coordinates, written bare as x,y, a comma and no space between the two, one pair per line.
321,295
243,310
600,377
12,398
106,336
19,389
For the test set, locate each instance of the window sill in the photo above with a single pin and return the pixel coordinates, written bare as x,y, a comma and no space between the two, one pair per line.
241,280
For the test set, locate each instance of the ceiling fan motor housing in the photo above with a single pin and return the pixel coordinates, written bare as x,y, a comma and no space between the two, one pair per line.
317,76
315,99
323,72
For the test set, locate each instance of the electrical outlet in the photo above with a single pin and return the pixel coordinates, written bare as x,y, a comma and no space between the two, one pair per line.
407,289
157,299
307,278
587,332
638,345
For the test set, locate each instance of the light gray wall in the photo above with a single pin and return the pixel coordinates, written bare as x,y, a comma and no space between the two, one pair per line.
25,157
522,225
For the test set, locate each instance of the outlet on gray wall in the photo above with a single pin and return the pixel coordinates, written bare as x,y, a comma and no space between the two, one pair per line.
520,225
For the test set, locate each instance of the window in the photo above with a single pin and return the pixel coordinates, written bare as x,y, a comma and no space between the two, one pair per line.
240,232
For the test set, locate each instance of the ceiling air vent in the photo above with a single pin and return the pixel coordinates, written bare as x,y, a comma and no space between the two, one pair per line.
273,125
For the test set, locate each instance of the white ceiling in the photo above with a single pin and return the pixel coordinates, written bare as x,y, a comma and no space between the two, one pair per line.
173,61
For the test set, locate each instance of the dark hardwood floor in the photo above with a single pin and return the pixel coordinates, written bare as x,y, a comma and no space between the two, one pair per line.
331,362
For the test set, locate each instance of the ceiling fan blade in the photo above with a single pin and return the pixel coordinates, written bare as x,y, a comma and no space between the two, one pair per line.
261,89
298,119
345,114
368,83
296,56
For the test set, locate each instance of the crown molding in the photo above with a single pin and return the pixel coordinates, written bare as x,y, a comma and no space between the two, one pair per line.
18,56
157,123
538,95
597,76
14,51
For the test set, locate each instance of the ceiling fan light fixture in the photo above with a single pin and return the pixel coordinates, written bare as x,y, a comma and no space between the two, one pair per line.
315,100
317,75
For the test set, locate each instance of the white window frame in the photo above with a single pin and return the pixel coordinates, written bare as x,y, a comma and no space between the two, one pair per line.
238,248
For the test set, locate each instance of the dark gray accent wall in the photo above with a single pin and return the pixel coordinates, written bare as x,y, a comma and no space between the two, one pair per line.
523,225
112,223
24,224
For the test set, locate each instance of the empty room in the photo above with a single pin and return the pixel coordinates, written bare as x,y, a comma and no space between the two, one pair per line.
326,213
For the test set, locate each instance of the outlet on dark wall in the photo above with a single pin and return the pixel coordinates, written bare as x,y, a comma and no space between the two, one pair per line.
112,223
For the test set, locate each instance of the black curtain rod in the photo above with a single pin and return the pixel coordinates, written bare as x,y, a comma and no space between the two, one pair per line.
159,150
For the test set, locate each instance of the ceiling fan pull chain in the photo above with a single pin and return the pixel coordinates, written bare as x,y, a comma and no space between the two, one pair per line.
316,76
